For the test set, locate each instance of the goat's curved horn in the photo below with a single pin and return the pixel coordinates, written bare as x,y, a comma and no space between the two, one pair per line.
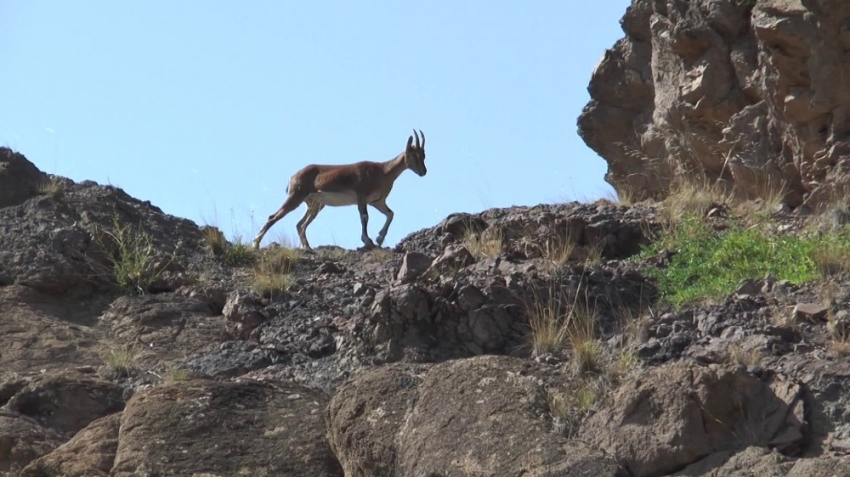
423,138
417,139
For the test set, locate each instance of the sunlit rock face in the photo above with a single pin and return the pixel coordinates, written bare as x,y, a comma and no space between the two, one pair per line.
752,92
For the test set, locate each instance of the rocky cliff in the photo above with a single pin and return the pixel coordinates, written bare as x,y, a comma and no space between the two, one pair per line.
755,93
523,341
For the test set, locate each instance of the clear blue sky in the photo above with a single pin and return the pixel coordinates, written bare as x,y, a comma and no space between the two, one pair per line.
206,108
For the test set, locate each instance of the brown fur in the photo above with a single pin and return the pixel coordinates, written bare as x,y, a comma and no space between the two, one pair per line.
361,183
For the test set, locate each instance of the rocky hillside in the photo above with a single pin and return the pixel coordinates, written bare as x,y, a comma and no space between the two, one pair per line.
753,92
535,341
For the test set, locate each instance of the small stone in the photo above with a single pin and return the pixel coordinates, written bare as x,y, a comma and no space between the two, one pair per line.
358,289
329,267
749,286
810,312
413,265
782,208
453,258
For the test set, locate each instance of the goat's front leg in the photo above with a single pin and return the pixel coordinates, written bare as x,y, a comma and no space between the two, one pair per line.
381,206
364,221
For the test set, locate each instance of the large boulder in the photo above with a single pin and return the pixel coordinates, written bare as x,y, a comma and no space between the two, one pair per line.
60,242
39,332
677,414
224,428
479,416
66,402
90,453
39,413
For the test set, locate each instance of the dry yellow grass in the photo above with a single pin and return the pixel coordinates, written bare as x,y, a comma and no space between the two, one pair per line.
693,196
558,325
120,359
745,356
483,245
274,270
558,250
215,239
177,374
49,186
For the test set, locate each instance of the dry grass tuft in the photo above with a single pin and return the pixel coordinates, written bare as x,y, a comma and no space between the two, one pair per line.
558,250
483,245
334,253
274,270
745,356
177,374
380,254
120,360
568,408
51,186
782,316
215,239
594,254
235,254
693,195
621,196
839,347
832,257
559,325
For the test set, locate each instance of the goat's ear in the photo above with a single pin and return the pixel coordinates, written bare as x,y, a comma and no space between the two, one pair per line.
409,141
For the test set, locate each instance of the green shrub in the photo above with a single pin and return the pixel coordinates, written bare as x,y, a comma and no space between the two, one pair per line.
708,265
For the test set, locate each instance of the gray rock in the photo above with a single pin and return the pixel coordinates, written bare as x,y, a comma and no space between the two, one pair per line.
413,265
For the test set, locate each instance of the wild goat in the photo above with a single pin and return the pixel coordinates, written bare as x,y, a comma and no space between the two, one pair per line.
362,183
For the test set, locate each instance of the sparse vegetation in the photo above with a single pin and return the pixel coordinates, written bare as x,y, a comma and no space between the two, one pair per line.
484,244
560,324
332,252
178,374
380,254
587,351
120,360
745,356
569,407
594,254
237,253
831,254
693,195
130,251
707,265
51,186
274,270
215,239
558,250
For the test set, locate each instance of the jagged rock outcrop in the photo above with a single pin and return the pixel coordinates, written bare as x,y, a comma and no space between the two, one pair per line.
752,92
58,239
416,360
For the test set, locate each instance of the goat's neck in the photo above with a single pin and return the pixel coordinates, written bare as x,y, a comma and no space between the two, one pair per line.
395,166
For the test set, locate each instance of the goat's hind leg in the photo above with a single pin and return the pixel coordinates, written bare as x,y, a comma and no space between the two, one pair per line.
313,209
291,203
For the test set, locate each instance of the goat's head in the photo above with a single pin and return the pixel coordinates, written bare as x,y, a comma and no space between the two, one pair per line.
414,154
